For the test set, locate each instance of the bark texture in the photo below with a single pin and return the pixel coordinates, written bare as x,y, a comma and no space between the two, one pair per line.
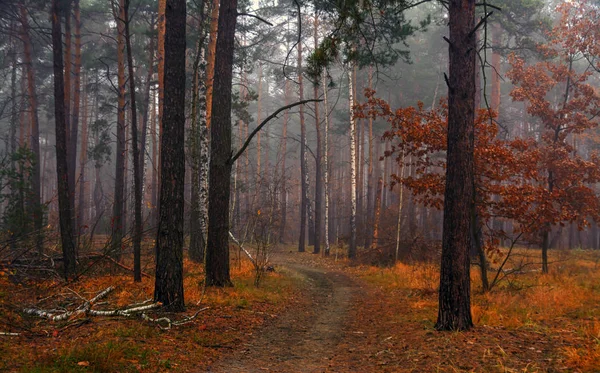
64,204
217,252
168,287
455,285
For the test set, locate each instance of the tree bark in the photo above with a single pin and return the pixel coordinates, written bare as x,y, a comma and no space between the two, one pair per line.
217,253
352,244
326,163
83,195
76,109
454,311
211,55
199,151
137,170
168,287
283,201
36,207
370,195
319,156
119,193
64,203
303,166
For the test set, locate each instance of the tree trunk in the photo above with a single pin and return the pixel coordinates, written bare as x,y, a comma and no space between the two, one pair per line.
283,202
168,286
454,311
119,194
162,4
326,163
400,205
36,207
83,196
76,109
377,217
318,177
303,166
146,104
370,195
137,170
352,245
64,203
198,148
211,55
217,253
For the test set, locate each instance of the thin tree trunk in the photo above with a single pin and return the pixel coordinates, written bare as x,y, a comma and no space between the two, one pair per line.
352,246
168,288
83,196
198,137
283,202
400,205
326,162
376,220
303,166
318,177
137,170
71,142
66,231
146,103
118,217
76,109
35,202
370,195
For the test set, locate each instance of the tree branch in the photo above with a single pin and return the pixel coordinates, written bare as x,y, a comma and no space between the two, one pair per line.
263,123
255,16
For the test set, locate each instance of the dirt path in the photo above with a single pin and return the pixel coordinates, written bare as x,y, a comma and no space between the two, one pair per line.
300,340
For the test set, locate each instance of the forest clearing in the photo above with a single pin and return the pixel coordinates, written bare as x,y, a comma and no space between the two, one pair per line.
299,185
316,314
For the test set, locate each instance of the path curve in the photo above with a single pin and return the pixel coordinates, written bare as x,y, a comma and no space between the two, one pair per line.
301,340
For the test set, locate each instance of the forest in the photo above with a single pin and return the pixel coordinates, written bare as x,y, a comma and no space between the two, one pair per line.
299,185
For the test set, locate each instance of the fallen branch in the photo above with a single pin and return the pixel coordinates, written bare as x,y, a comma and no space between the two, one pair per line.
243,248
85,308
9,334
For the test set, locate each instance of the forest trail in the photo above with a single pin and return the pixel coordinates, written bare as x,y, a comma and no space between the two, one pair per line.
304,339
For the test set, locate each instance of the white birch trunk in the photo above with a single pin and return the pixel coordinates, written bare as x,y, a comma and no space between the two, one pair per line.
352,248
326,164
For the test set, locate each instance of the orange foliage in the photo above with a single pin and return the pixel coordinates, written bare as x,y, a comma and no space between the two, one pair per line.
536,182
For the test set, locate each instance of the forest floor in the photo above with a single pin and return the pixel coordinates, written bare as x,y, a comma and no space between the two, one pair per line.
316,314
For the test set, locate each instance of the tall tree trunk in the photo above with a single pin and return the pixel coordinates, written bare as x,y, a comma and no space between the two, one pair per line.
146,103
326,162
352,245
168,286
71,142
162,4
303,166
76,109
217,253
454,311
212,49
259,180
35,203
64,203
198,137
400,205
283,202
83,195
376,220
370,195
137,170
319,156
118,217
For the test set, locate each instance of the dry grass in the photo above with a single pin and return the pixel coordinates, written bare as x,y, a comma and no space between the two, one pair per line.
127,345
562,307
